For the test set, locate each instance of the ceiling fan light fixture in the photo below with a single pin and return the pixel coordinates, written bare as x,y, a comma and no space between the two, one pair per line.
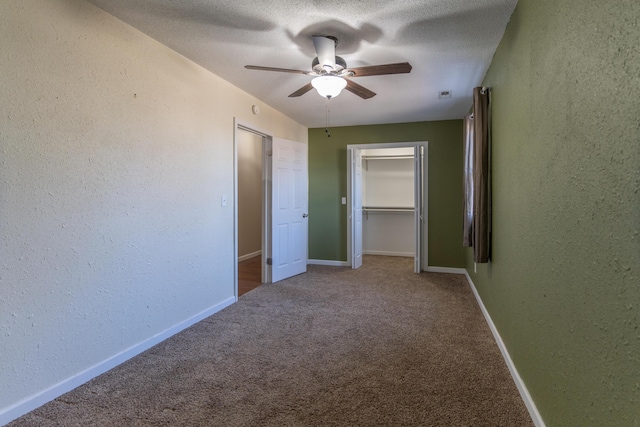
329,86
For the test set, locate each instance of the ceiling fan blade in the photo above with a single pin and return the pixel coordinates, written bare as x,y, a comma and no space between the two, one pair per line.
378,70
282,70
359,90
326,50
304,89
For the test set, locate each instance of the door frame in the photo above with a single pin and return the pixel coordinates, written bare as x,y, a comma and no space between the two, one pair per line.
267,138
422,238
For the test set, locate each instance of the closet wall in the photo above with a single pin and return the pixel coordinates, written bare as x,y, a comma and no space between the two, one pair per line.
388,202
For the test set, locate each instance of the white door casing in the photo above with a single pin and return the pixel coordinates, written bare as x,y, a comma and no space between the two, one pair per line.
354,196
356,201
418,205
289,196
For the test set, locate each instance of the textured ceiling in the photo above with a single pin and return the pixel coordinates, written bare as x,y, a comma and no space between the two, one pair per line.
449,43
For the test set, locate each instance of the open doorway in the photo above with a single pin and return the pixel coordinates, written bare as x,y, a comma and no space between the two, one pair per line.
250,172
386,196
274,209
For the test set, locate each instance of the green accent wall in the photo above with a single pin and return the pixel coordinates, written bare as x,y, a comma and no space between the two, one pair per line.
563,287
328,184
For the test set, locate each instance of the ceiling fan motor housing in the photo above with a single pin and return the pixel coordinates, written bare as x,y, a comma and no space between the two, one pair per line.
340,69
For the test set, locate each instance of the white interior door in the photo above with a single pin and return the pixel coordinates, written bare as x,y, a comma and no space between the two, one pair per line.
356,210
289,224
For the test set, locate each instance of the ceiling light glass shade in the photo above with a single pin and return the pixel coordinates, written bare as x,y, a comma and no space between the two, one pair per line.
329,86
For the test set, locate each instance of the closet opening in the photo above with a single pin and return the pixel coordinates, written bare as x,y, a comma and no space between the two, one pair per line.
386,194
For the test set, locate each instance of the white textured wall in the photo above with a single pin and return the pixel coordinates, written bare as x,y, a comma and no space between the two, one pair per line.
115,152
249,193
389,233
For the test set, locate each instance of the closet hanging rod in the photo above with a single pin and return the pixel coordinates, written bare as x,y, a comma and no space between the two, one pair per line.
386,209
389,157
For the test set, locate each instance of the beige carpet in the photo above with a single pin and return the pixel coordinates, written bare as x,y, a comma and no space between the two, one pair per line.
378,346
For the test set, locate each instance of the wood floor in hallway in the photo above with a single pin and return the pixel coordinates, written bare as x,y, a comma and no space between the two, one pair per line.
249,275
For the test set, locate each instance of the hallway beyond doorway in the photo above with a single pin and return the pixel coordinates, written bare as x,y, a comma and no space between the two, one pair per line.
249,274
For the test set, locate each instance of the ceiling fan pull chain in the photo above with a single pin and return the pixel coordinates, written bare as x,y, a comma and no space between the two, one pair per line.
326,127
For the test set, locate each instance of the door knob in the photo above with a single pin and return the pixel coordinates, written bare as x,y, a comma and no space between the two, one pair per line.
304,215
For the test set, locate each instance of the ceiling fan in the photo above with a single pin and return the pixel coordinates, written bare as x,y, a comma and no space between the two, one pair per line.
331,74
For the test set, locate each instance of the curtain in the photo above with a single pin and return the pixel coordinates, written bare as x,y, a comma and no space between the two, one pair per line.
477,177
467,235
481,175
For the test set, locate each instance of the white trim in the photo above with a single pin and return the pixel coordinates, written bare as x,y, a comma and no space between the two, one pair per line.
386,253
450,270
249,256
328,262
267,136
522,388
27,405
424,236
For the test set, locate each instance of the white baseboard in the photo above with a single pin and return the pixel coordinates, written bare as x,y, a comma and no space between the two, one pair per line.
328,262
249,256
17,410
522,388
386,253
450,270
